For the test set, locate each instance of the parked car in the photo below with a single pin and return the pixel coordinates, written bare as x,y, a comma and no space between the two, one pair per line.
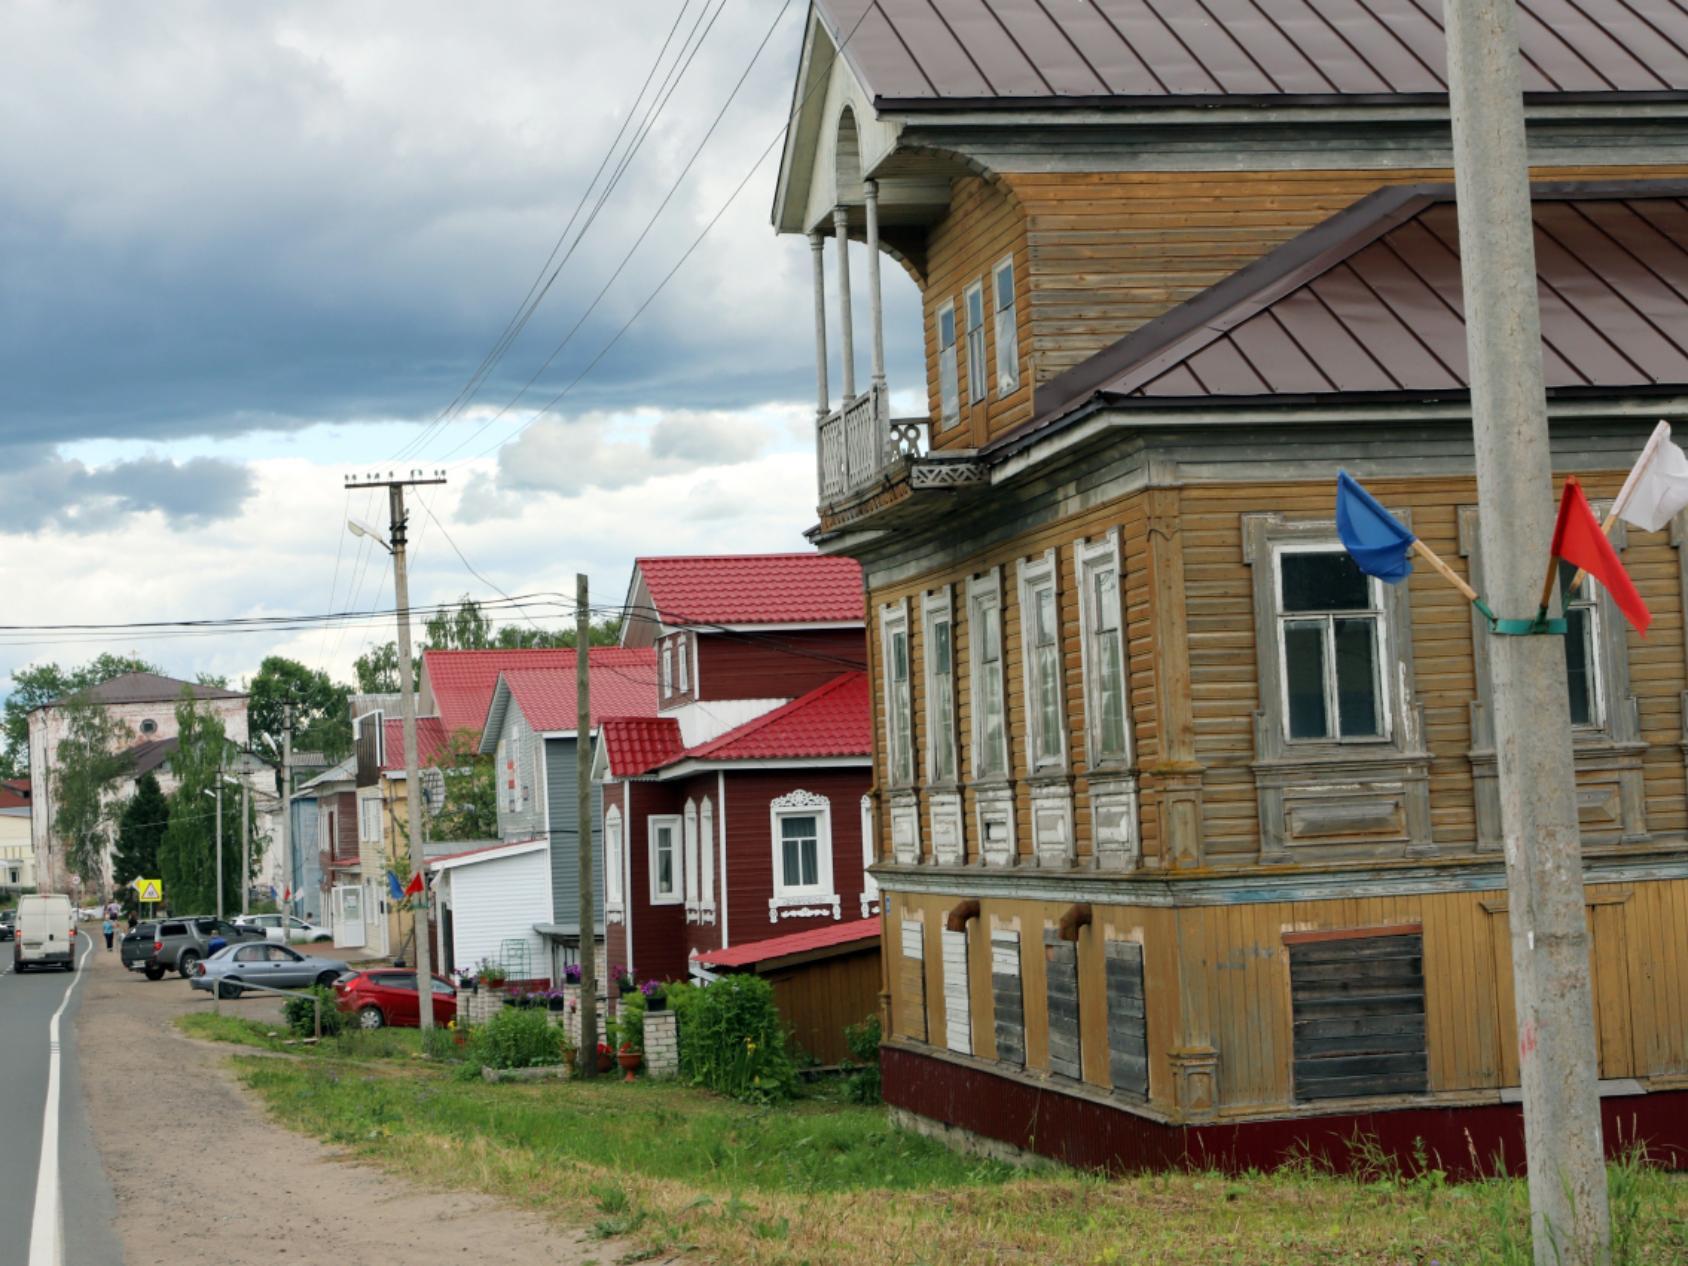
8,924
263,963
87,914
135,949
46,933
387,996
180,943
298,931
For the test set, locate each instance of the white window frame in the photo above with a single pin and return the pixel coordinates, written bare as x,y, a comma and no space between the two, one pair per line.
706,861
369,820
949,371
899,697
690,835
667,668
942,730
1036,576
978,381
820,897
1092,558
870,855
1382,652
654,826
1007,329
1587,599
613,862
682,664
984,599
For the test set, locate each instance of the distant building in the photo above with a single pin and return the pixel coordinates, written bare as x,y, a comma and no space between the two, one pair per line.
145,705
17,856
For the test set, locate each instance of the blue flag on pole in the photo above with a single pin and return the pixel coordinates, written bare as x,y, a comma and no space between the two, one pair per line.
394,888
1377,541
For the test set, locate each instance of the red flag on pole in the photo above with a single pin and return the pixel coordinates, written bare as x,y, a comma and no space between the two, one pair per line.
415,884
1578,540
287,895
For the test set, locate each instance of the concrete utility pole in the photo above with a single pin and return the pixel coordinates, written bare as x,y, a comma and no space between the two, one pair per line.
586,1062
246,846
291,883
1548,920
397,534
219,839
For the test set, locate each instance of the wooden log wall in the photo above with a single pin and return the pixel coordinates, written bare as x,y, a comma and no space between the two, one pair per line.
1639,962
1097,254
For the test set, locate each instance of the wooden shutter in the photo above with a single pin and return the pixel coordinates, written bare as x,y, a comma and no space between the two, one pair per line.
911,981
1128,1030
1358,1007
1061,975
1007,1000
958,1014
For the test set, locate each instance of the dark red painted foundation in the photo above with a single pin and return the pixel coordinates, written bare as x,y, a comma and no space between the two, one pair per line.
1466,1142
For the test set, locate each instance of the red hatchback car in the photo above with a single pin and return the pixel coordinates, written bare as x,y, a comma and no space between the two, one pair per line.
387,995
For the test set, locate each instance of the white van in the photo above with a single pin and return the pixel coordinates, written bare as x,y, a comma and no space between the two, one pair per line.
46,933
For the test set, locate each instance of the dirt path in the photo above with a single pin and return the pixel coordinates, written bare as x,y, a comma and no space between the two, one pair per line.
203,1179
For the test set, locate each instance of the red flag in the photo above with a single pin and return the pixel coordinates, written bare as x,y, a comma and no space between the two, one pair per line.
414,886
1578,540
288,895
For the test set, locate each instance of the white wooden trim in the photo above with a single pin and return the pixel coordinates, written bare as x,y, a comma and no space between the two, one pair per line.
706,863
1034,574
721,795
984,594
1089,557
691,860
789,899
870,855
614,865
937,606
900,763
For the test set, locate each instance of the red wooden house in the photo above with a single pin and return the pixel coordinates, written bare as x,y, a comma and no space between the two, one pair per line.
736,815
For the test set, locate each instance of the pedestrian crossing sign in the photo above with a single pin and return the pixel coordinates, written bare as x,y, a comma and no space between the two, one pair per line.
149,889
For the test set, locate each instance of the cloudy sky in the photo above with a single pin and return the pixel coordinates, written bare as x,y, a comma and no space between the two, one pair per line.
246,249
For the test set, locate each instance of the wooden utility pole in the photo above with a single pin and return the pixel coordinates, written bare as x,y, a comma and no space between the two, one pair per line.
1548,921
395,545
586,1061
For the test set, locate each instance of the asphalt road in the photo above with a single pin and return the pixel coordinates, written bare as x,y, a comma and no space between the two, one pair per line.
27,1004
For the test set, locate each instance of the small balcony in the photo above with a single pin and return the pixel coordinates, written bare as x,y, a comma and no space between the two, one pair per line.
859,445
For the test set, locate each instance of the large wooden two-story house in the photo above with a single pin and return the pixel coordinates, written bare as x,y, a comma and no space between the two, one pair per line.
1188,831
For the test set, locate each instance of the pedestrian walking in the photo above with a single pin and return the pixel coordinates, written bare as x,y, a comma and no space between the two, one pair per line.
132,920
110,930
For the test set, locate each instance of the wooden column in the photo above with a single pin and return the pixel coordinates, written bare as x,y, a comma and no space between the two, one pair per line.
1173,779
871,189
823,403
846,334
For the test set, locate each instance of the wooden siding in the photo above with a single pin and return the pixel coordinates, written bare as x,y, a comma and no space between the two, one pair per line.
1639,960
1098,254
563,795
819,999
1357,1004
1128,1029
496,902
774,665
658,932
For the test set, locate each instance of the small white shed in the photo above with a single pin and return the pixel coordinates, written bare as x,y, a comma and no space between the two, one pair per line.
494,895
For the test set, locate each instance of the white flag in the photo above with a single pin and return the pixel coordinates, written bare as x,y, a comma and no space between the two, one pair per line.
1657,489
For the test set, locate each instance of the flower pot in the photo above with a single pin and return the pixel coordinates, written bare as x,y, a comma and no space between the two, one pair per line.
606,1061
630,1061
626,989
555,1004
659,1003
569,1057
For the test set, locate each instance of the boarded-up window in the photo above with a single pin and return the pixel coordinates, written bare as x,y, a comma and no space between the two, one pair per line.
911,982
1061,975
958,1011
1359,1015
1128,1030
1007,1001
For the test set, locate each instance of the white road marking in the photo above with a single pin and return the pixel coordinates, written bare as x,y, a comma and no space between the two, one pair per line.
46,1243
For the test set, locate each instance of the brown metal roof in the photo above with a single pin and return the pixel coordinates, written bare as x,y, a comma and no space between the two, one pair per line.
149,688
921,54
1370,301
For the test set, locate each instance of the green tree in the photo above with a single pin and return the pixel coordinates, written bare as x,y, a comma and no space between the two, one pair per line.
88,763
377,670
466,629
187,855
321,720
43,683
140,828
471,794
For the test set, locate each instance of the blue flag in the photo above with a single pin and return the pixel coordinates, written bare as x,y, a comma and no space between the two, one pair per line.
394,888
1376,540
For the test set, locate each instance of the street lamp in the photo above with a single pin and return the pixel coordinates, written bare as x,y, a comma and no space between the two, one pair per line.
357,527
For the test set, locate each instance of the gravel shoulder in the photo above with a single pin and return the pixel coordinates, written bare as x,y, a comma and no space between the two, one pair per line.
202,1178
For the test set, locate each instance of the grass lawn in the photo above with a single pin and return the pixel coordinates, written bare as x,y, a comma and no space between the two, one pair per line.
672,1169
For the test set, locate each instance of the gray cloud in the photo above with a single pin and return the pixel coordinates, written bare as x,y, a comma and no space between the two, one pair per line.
39,490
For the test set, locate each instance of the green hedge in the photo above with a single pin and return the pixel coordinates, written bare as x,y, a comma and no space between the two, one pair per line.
517,1037
733,1041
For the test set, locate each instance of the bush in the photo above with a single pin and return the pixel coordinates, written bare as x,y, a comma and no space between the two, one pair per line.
518,1038
863,1041
300,1013
732,1040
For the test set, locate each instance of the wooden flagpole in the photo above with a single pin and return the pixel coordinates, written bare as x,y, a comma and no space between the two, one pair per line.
1442,569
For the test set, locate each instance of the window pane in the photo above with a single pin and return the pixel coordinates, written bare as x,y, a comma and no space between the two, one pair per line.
941,648
1046,668
943,755
800,850
1304,677
1110,689
949,385
975,309
1324,582
991,758
789,863
1106,608
1005,286
1579,656
811,863
946,327
1356,679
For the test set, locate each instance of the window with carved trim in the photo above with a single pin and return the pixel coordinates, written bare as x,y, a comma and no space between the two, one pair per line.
1102,651
1007,328
666,886
949,372
899,696
939,636
1045,681
801,825
612,858
978,382
990,732
1331,632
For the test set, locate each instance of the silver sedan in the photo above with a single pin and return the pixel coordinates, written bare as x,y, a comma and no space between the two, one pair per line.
262,963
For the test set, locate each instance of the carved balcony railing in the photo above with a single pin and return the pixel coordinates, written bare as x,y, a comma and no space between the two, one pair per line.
859,443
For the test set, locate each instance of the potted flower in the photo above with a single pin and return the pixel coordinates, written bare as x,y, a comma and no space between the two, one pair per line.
492,974
467,980
571,974
656,995
624,981
629,1058
555,999
606,1057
